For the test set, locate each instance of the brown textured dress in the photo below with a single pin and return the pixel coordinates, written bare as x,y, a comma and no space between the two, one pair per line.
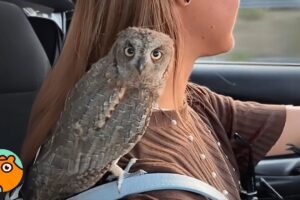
206,151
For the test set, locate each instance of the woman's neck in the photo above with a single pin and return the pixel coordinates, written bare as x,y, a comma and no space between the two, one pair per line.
166,100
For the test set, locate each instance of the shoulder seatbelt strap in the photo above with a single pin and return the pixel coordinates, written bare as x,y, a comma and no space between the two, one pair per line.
140,184
150,182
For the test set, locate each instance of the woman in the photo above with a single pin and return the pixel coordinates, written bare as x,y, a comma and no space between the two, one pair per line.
192,131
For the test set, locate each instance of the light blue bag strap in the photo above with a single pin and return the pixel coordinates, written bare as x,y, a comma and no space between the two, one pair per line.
150,182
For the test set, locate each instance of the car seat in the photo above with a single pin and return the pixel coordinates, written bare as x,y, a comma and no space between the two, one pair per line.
23,67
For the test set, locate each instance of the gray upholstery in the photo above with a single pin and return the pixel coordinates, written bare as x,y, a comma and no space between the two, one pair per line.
23,67
34,6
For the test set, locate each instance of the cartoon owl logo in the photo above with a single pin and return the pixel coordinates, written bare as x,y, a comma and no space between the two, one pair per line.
10,173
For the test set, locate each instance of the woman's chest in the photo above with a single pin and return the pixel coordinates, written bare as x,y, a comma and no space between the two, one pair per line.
195,152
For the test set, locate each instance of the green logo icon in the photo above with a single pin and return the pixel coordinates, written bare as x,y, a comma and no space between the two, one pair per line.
11,170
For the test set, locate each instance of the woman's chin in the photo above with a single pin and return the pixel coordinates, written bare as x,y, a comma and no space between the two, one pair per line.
227,45
219,47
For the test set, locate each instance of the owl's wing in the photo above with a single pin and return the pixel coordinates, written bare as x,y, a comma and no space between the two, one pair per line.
125,127
83,105
99,123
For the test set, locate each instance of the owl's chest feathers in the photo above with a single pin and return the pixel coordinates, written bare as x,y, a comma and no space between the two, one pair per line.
106,105
98,98
109,106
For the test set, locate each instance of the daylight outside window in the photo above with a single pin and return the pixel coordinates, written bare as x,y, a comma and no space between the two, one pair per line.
266,31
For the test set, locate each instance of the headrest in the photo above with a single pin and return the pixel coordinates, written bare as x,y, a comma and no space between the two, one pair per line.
34,6
57,5
23,61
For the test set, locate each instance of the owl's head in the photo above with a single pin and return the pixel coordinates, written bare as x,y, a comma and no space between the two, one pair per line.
142,57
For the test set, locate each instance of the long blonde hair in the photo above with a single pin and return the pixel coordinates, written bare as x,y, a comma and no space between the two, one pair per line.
93,29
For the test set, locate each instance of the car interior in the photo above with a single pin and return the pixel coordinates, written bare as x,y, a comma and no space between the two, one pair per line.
32,33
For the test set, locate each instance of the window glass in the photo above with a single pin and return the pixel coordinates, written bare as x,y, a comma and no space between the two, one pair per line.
56,17
265,31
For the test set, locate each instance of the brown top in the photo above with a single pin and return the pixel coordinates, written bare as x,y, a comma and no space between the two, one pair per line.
206,151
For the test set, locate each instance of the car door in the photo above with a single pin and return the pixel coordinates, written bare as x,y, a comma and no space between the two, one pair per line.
264,83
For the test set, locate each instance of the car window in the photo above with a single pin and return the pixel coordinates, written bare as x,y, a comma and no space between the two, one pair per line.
266,31
58,18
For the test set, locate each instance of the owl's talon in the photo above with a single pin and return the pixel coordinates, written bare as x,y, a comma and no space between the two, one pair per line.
127,175
120,174
113,176
132,161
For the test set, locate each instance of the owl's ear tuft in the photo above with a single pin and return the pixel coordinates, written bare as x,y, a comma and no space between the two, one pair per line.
131,30
126,30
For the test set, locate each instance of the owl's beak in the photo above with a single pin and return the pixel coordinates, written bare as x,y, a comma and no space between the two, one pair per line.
140,68
140,65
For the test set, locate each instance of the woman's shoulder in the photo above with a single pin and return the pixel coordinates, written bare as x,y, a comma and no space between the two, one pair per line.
207,102
197,89
196,93
191,86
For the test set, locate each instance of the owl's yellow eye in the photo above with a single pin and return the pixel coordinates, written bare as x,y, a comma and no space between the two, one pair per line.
129,51
156,55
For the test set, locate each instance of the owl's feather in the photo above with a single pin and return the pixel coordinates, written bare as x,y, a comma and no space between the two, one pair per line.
105,115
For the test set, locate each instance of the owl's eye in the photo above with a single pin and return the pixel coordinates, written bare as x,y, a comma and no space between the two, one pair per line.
156,55
6,167
129,51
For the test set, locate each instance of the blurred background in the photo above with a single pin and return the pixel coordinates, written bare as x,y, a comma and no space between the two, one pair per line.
266,31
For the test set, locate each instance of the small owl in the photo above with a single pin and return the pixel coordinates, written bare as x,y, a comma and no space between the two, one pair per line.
105,115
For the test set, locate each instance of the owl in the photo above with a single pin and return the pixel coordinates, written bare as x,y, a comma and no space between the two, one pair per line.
104,116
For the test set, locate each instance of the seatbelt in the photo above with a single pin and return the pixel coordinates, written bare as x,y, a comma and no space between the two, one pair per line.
139,184
249,181
150,182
